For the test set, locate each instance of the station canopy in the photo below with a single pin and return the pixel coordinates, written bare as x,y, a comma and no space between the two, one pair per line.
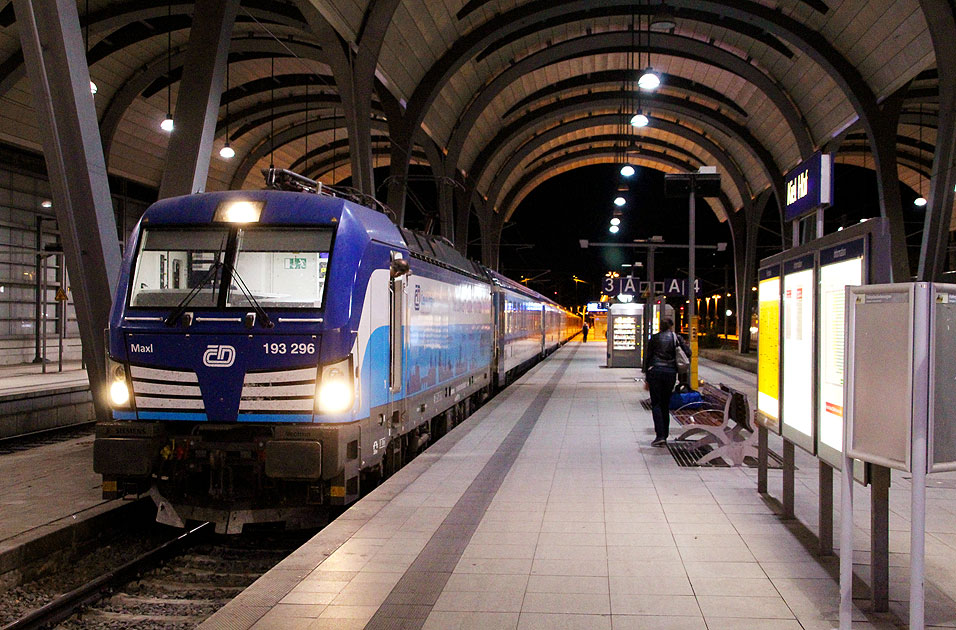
505,94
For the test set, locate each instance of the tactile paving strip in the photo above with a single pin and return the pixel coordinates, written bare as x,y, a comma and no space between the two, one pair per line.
412,599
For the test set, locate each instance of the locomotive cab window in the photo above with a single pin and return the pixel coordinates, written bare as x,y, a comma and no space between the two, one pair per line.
280,267
172,262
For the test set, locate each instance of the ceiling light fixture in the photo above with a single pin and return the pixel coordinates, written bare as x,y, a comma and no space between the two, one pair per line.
627,170
620,201
227,152
167,124
640,120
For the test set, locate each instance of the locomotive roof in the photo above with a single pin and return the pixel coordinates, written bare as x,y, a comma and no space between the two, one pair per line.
437,248
280,207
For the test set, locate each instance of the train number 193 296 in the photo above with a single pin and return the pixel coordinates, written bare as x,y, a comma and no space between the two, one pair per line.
289,348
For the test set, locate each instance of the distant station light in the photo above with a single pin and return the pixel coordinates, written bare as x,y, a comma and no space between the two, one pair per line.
615,221
46,203
93,88
640,120
619,201
614,229
627,170
919,202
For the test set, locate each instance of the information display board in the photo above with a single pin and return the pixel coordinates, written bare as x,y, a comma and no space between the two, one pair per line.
840,266
768,348
798,392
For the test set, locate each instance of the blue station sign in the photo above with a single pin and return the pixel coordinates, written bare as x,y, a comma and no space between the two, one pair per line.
809,186
637,287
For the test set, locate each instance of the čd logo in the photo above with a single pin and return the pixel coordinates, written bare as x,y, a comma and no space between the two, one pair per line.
219,356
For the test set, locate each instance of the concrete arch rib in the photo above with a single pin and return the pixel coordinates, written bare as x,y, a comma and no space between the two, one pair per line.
611,101
134,85
545,171
726,162
605,43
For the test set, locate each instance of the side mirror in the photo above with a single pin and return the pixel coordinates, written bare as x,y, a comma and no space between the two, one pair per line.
398,267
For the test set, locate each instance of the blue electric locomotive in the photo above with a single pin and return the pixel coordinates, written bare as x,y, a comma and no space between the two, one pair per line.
271,351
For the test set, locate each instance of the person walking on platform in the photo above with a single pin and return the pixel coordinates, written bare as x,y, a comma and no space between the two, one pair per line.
660,372
584,331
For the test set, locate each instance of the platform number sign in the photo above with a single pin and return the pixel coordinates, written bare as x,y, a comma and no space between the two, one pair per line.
295,263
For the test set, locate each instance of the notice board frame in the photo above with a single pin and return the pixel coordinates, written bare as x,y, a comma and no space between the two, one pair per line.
877,269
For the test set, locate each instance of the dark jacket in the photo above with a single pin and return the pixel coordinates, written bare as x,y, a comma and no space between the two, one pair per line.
661,353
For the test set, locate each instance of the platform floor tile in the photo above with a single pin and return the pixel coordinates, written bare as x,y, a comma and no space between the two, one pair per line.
550,509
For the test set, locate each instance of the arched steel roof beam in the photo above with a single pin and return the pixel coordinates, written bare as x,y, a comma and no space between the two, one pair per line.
145,76
319,169
590,102
628,10
617,76
720,154
260,113
473,5
605,43
131,23
279,82
288,135
616,140
532,178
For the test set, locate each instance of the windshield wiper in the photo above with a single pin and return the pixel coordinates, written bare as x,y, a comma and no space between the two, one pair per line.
177,312
252,300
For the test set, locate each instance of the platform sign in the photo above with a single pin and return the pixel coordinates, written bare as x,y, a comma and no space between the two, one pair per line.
809,186
840,266
798,391
768,348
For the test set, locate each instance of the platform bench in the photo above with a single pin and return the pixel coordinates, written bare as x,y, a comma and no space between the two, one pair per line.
729,427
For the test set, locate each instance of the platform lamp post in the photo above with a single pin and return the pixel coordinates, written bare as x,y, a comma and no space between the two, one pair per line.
706,183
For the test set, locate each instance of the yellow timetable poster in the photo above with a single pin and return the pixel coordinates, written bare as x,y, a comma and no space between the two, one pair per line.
768,364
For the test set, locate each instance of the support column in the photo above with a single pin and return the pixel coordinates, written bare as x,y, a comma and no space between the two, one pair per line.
55,58
882,136
491,226
939,210
197,105
763,452
463,197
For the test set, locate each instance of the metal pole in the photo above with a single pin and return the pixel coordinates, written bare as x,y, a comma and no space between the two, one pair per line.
41,264
826,509
763,450
37,357
692,283
880,538
788,467
61,308
846,544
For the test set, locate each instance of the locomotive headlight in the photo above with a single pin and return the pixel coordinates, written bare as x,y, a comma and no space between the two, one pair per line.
119,393
336,392
118,388
239,211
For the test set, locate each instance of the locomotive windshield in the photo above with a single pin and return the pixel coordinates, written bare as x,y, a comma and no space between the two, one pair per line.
282,267
279,267
172,262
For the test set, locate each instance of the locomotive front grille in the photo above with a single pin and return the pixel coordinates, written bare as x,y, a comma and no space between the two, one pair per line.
165,390
278,392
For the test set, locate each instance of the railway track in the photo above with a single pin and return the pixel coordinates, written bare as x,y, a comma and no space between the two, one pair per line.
176,585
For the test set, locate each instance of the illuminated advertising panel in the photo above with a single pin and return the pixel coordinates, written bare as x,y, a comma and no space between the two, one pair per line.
768,353
840,267
798,281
